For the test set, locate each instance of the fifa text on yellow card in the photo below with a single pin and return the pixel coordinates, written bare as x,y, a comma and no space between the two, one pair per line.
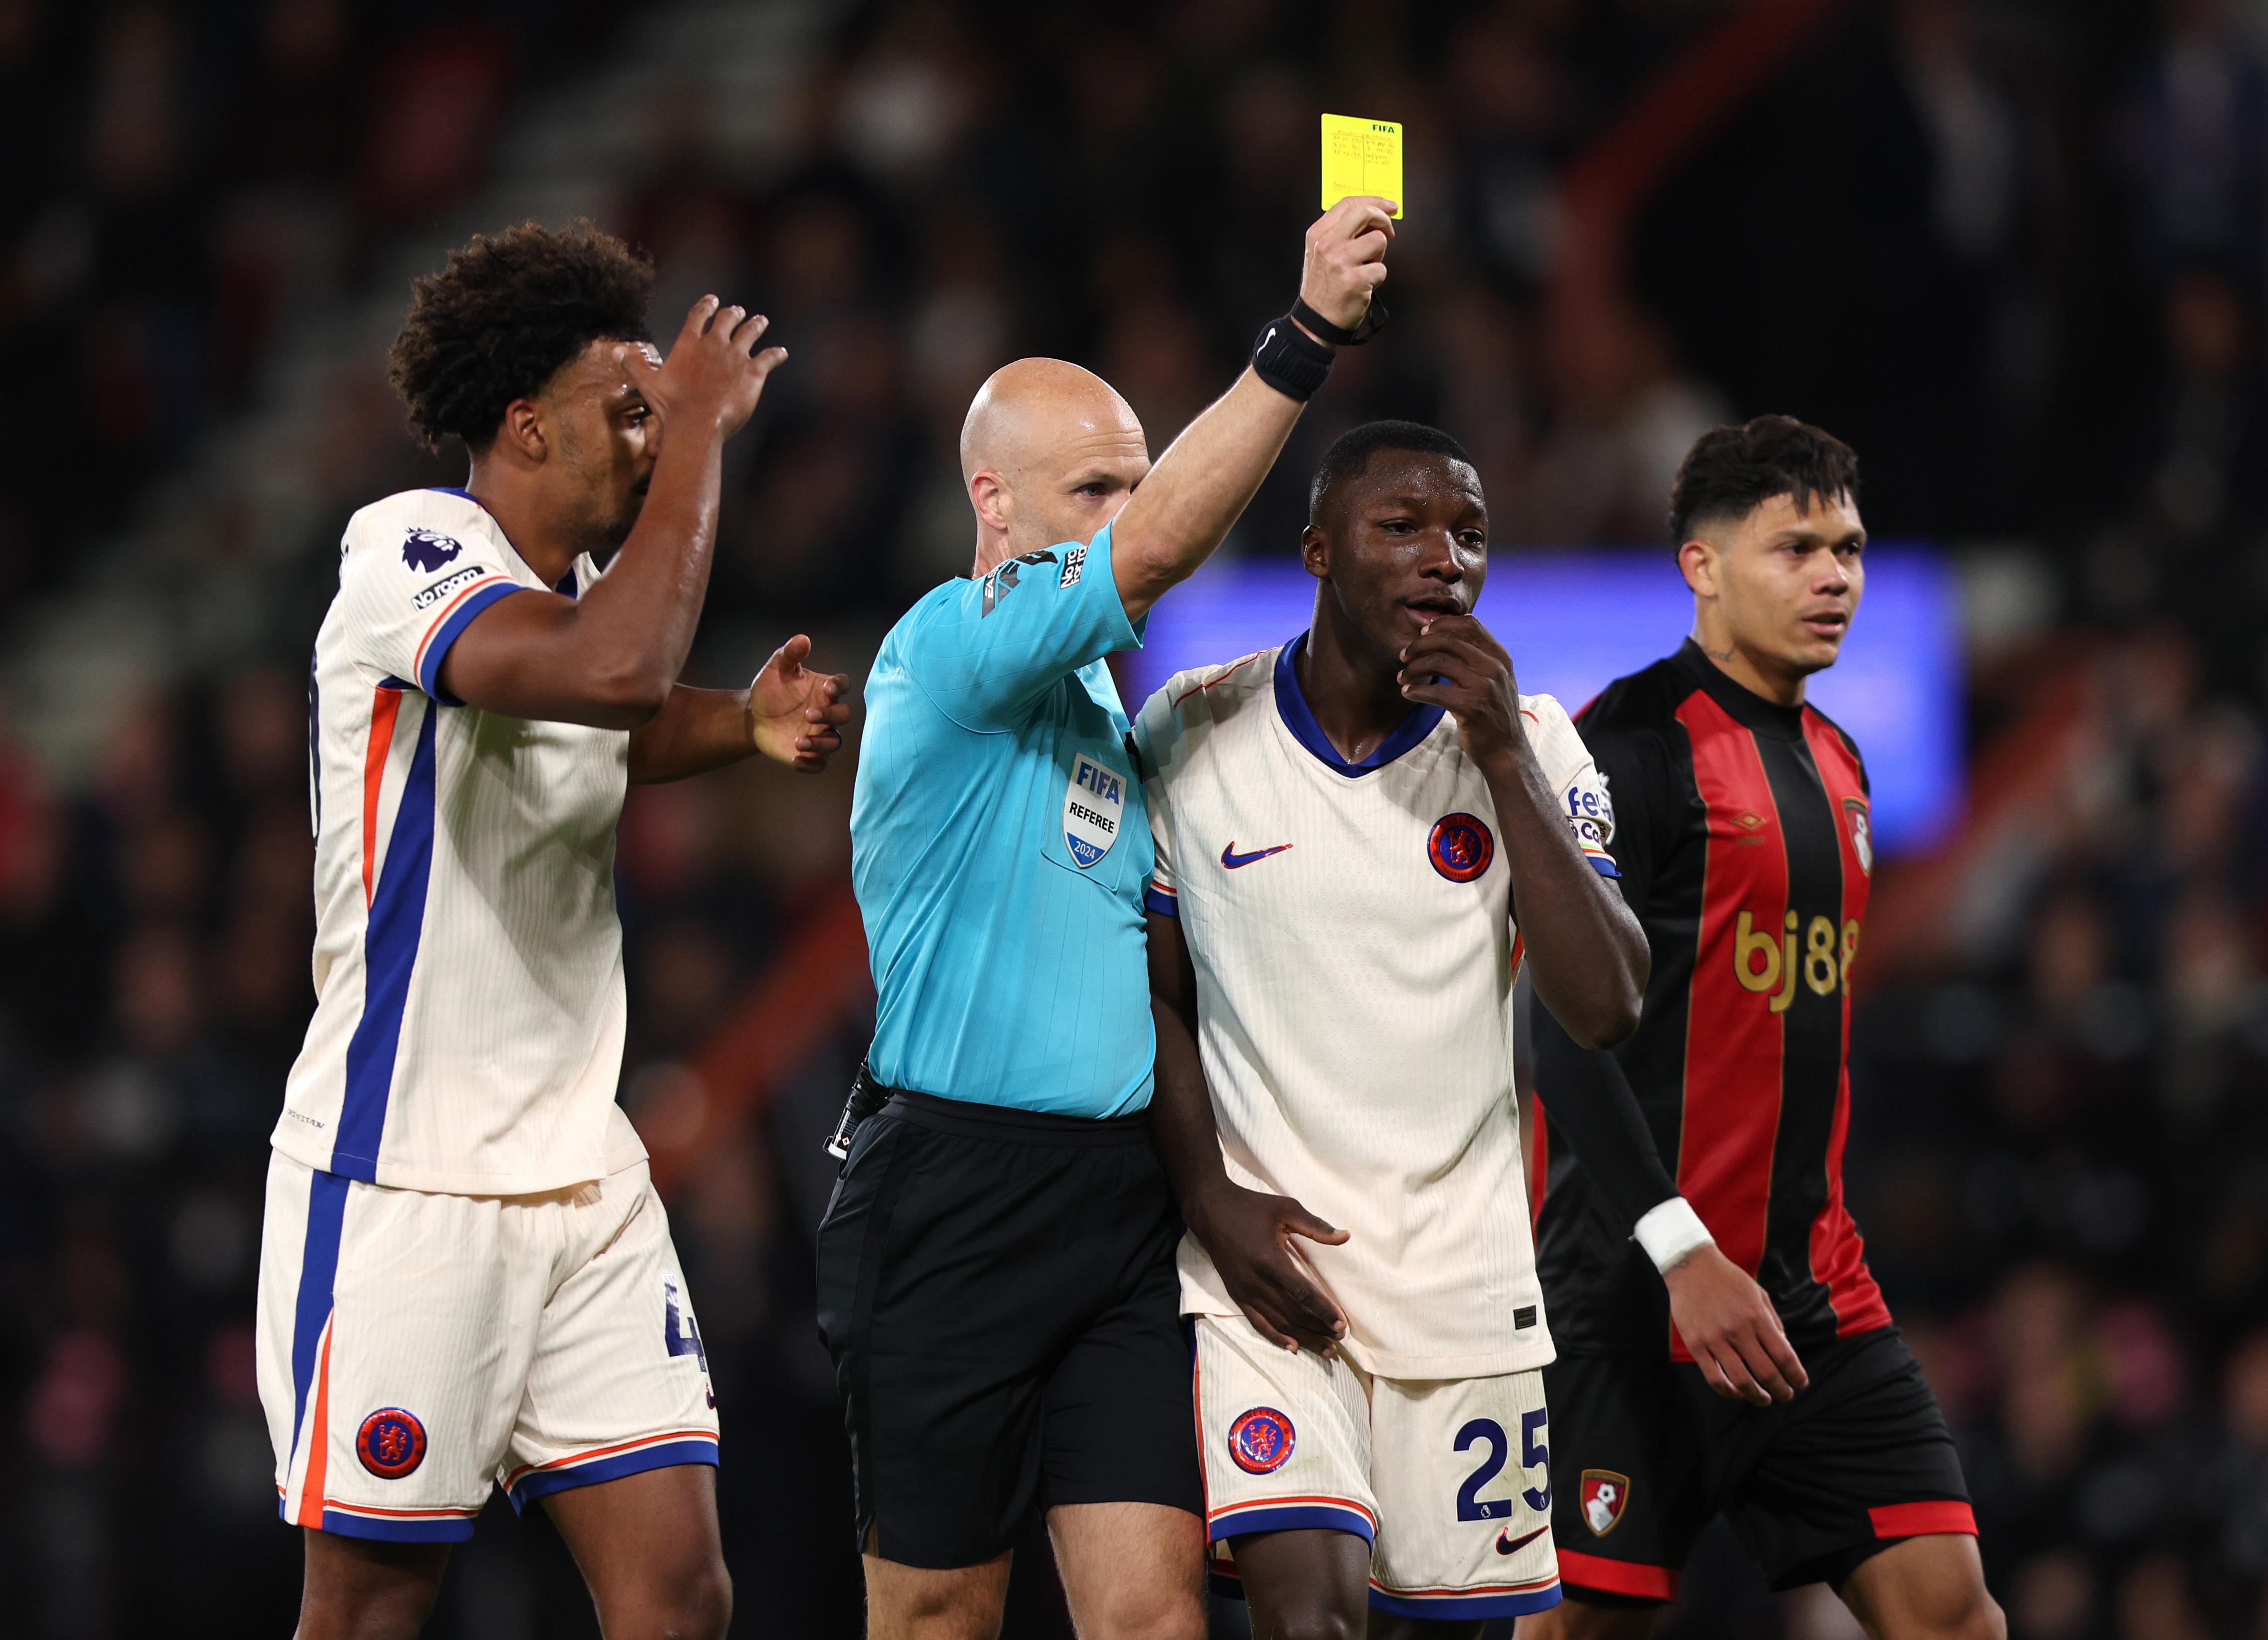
1361,157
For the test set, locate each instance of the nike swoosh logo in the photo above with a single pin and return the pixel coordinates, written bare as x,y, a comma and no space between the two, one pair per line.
1232,859
1513,1548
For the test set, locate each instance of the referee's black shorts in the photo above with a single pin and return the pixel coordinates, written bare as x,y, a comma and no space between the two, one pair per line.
998,1288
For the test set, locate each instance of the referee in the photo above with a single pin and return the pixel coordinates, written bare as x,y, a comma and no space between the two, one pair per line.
996,1280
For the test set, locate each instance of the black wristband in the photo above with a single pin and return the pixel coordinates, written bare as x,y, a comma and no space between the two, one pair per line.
1373,320
1289,360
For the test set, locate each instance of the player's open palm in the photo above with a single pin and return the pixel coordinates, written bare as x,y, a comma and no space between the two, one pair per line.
1346,258
714,374
1730,1326
796,714
1248,1234
1457,664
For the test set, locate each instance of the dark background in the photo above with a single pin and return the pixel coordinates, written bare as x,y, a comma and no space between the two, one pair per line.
2013,251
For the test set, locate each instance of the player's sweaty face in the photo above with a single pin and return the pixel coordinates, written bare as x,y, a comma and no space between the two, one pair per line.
1403,543
609,440
1789,582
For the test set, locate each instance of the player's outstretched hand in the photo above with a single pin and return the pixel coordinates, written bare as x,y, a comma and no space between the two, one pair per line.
1457,663
713,375
1731,1329
796,714
1346,259
1248,1234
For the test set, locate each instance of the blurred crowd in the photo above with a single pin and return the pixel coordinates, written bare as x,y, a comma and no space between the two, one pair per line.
177,177
2060,1151
2014,252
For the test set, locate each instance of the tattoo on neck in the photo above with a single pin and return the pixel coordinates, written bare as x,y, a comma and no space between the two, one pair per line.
1720,655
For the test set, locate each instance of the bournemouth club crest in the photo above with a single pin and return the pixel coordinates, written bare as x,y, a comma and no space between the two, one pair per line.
1604,1494
1261,1440
1460,847
1862,834
391,1443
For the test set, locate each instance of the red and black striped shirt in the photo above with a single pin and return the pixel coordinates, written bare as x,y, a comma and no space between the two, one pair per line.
1742,830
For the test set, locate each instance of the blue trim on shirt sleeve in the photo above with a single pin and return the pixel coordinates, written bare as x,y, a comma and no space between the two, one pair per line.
1163,904
429,674
1604,864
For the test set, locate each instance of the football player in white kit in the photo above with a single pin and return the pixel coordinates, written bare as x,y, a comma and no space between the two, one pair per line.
466,1276
1361,837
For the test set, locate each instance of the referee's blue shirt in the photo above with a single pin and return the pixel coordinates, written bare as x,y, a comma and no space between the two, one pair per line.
1000,845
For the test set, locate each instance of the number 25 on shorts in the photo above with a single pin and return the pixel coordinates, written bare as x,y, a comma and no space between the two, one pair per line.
1533,1455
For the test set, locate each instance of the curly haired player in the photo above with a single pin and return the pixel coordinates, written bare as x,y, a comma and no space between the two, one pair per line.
466,1276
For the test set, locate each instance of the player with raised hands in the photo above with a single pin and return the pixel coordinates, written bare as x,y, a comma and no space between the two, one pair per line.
466,1278
1361,837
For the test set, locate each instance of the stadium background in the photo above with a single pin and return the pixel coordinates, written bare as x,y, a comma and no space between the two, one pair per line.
2012,250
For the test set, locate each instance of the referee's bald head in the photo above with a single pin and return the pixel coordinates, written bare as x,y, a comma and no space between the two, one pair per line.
1049,453
1035,408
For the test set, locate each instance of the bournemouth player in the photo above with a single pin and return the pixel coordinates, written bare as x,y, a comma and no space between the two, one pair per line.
466,1277
1357,836
1693,1236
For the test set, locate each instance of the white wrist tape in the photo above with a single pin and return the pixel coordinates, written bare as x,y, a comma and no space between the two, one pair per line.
1670,1231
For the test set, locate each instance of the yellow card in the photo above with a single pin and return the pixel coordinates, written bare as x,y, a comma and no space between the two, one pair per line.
1361,157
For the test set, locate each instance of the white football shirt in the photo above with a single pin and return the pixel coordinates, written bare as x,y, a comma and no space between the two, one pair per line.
469,1009
1350,927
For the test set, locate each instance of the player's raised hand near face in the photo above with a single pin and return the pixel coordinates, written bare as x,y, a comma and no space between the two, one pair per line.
1731,1327
796,714
714,373
1586,951
1346,259
1248,1234
1457,664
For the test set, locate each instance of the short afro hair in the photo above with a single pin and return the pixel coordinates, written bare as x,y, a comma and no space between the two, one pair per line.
1349,456
499,320
1732,471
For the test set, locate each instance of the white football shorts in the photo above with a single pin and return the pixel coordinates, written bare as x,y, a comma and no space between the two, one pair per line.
417,1349
1449,1480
